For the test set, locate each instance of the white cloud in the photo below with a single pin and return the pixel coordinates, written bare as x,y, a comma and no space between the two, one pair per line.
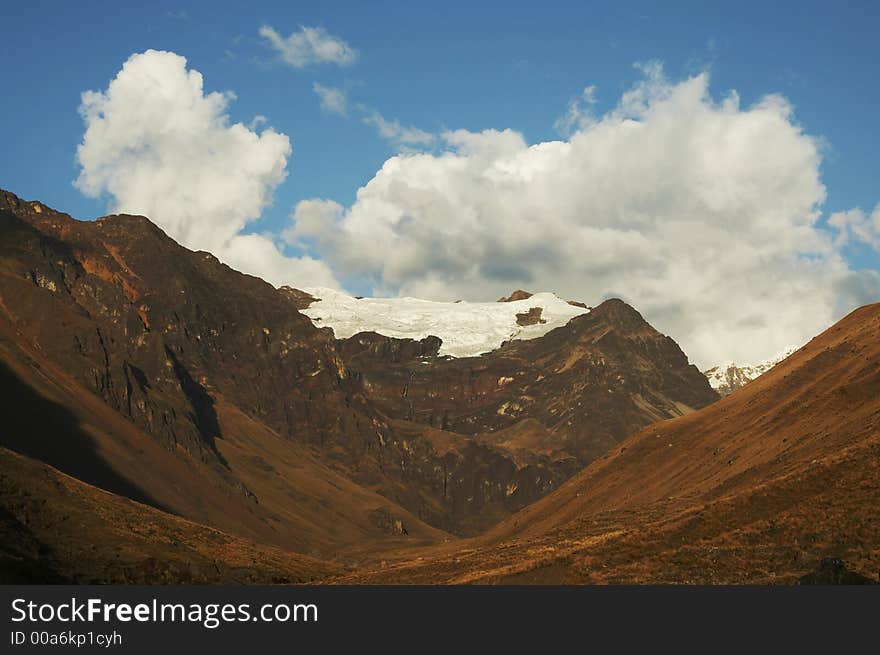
578,114
857,225
258,255
162,147
309,45
333,100
395,133
256,121
701,213
315,220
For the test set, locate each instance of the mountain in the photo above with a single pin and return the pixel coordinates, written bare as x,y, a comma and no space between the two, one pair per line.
728,377
167,377
588,383
168,419
759,488
507,427
163,376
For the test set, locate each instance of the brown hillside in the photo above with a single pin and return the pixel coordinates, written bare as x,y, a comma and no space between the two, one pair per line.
755,488
43,528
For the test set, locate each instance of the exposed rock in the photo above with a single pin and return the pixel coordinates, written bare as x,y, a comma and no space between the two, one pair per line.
379,348
519,294
531,317
300,299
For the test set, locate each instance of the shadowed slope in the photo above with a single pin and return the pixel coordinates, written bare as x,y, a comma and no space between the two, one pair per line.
42,528
45,430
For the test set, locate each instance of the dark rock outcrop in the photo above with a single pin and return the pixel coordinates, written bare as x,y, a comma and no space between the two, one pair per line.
300,299
519,294
531,317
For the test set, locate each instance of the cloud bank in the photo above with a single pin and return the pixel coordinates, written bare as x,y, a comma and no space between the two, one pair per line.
162,147
309,45
702,213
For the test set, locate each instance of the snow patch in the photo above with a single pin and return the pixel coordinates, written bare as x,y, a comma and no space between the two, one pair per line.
729,376
466,328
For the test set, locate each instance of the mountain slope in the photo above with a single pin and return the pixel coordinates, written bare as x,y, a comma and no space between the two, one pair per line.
188,385
757,487
270,490
43,528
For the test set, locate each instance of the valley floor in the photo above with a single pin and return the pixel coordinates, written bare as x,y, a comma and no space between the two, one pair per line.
773,534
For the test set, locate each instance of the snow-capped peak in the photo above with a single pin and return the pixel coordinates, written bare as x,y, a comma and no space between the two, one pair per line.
466,328
730,376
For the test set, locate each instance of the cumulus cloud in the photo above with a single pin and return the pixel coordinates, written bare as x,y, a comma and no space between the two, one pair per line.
856,225
396,134
162,147
309,45
333,100
702,213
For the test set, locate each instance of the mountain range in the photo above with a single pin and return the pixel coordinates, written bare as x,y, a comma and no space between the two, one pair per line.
169,419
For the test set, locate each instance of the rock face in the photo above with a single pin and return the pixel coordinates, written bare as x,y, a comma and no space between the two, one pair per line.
300,299
519,294
200,358
572,393
530,317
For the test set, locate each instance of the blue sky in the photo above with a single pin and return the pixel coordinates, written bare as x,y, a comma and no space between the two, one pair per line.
437,67
453,64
